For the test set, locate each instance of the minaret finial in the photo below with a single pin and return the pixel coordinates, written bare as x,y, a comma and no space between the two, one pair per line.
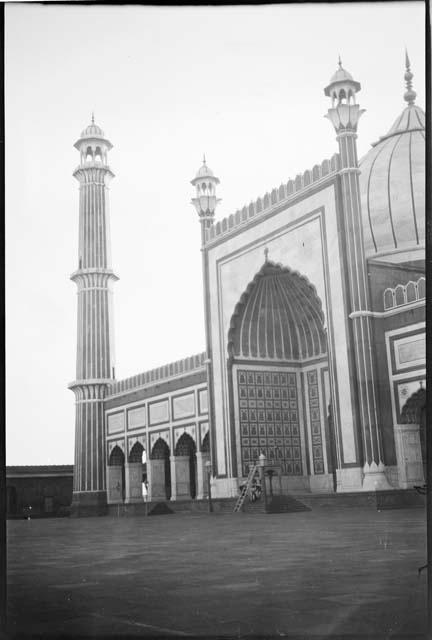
92,117
266,252
410,94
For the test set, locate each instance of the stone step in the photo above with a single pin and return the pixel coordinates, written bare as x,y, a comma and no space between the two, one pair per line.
392,499
285,504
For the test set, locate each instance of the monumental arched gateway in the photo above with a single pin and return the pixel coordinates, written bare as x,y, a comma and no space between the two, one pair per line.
277,348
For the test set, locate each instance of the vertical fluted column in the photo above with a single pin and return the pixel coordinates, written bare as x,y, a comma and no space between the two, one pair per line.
95,352
359,299
345,118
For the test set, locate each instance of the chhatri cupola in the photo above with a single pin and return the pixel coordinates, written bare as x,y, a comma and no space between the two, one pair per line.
93,145
205,200
342,87
392,186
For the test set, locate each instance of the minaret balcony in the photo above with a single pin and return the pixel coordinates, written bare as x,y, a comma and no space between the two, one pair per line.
107,274
345,116
89,382
85,168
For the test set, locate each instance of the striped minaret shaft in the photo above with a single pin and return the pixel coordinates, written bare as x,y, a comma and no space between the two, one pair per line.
95,343
344,115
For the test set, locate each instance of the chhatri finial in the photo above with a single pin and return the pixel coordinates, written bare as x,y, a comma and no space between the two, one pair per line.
92,117
204,158
266,252
340,62
410,94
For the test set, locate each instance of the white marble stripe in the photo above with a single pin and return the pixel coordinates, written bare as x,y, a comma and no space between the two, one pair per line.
367,353
351,294
92,443
353,238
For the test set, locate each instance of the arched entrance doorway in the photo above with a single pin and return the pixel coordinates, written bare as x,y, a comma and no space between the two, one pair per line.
116,476
186,467
134,473
159,471
205,447
279,375
412,436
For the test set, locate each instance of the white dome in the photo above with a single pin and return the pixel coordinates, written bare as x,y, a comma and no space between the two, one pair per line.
341,75
204,172
392,187
92,130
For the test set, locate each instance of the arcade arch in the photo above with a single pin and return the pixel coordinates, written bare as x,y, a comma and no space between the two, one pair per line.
186,467
159,471
116,476
414,413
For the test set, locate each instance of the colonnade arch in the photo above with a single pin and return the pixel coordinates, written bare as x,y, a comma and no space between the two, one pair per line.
186,464
411,440
159,471
116,476
180,475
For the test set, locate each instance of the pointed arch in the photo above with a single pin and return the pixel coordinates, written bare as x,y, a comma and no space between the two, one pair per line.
185,445
160,450
205,447
413,407
136,453
117,457
279,316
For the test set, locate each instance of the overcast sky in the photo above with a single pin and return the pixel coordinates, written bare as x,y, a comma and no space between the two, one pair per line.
242,84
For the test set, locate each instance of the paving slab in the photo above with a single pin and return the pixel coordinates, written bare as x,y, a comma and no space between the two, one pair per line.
325,573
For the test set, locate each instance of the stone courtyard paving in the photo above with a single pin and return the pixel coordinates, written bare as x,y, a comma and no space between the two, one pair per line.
330,573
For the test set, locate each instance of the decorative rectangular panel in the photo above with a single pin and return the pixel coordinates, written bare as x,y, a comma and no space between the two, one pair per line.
183,406
203,401
315,422
410,351
115,422
269,419
158,412
136,417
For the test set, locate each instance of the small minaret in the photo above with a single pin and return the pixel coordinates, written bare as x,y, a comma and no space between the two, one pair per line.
344,114
95,343
205,201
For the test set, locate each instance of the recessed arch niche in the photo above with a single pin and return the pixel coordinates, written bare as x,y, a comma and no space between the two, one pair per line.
277,360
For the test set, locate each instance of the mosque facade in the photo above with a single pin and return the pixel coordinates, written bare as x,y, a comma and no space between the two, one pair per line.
315,332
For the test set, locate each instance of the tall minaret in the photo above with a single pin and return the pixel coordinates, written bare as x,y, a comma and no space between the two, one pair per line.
344,114
95,343
205,203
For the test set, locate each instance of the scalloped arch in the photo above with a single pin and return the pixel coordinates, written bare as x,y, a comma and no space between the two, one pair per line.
412,408
278,317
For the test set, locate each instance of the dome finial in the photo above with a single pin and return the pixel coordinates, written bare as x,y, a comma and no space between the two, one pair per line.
92,117
410,94
204,158
340,62
266,252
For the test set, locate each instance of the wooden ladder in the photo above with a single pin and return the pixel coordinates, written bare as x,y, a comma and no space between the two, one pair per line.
246,487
